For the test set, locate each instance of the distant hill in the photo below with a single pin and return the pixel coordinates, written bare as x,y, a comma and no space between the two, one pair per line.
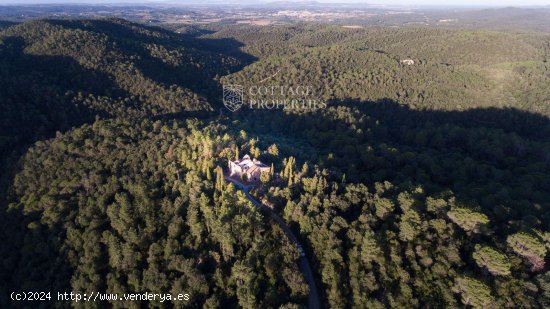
454,69
510,18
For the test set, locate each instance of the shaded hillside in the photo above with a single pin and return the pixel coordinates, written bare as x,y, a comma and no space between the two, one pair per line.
5,24
57,74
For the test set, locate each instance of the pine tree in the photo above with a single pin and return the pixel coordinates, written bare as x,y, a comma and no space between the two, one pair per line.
409,225
220,182
474,292
528,247
494,261
469,220
273,150
305,169
265,178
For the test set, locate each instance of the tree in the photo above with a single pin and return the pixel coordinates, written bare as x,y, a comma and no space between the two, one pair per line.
246,284
370,249
495,262
265,177
474,293
220,181
469,220
435,205
409,225
383,207
288,170
528,247
255,152
305,169
273,150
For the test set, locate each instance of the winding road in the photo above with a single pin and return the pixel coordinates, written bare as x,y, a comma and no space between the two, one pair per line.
313,297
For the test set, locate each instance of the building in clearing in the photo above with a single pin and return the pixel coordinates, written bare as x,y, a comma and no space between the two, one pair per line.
251,168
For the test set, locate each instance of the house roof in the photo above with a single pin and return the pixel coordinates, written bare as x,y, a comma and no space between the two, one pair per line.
246,164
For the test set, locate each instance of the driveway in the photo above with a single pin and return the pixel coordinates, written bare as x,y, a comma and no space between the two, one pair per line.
313,297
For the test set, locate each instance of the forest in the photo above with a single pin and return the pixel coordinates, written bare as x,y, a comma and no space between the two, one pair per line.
419,186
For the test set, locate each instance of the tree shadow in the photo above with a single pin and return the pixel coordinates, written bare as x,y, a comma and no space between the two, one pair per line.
37,94
6,24
495,158
496,161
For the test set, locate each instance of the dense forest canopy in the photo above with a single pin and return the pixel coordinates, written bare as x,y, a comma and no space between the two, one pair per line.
56,74
419,186
453,70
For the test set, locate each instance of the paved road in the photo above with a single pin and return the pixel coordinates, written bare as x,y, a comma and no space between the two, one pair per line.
313,297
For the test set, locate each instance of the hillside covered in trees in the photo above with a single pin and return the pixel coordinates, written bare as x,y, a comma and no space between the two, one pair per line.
418,186
58,74
453,70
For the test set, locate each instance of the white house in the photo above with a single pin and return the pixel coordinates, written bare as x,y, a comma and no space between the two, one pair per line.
252,168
